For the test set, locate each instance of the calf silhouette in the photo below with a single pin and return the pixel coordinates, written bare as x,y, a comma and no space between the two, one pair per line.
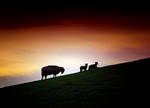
51,70
93,66
83,68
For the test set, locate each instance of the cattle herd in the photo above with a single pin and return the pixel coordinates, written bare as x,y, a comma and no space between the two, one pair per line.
54,70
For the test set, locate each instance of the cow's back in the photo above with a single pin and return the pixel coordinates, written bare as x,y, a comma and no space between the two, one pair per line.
48,70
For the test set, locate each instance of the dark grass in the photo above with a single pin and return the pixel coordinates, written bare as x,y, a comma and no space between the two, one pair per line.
118,85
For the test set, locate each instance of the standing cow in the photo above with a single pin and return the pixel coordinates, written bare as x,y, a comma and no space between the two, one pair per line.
93,66
51,70
83,68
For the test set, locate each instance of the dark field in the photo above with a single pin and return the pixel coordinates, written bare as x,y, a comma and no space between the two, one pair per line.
122,85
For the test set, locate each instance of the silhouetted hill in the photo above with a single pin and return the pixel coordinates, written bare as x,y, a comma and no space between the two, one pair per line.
122,85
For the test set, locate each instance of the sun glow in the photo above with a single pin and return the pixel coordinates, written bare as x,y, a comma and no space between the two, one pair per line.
69,61
65,61
27,50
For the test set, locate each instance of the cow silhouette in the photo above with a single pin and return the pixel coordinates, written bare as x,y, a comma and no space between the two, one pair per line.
83,68
51,70
93,66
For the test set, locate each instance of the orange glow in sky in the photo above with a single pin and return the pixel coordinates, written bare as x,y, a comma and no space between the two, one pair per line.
28,49
70,36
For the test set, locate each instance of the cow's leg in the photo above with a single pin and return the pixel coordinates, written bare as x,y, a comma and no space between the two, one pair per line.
42,77
45,76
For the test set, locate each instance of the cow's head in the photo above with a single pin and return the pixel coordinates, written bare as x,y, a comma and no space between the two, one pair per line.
62,70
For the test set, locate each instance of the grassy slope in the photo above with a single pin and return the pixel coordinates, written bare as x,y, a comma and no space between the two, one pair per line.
118,85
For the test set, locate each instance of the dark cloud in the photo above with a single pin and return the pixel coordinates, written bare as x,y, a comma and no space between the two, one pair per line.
128,16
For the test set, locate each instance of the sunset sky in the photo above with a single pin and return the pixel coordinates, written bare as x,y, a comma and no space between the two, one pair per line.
70,35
